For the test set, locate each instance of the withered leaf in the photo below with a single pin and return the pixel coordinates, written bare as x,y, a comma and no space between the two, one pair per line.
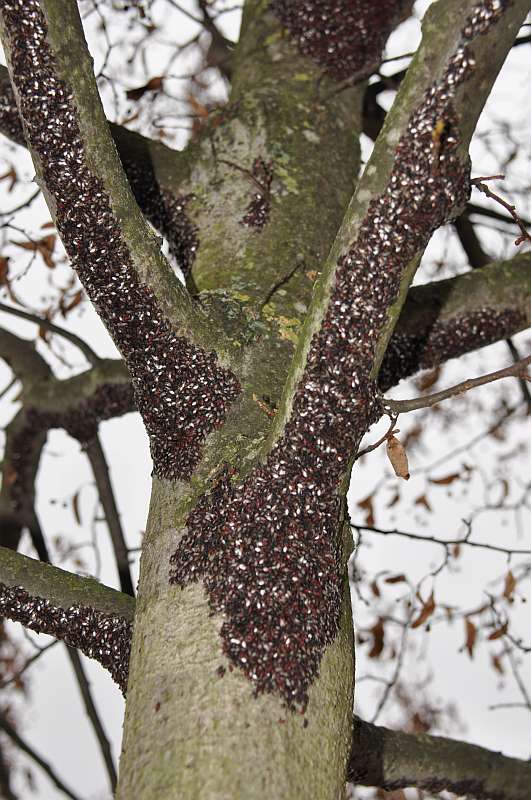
75,508
422,500
396,578
471,633
427,610
397,455
498,633
446,480
11,176
4,270
153,85
198,108
428,379
67,306
497,665
378,636
367,505
394,499
510,585
44,247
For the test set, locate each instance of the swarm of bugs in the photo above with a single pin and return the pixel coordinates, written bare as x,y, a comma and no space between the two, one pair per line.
266,549
172,378
104,637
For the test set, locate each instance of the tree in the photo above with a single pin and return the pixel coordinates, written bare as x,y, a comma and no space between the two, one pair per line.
256,381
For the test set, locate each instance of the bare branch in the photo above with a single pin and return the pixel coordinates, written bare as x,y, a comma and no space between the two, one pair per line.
100,470
92,713
514,370
395,760
446,543
19,742
87,351
480,184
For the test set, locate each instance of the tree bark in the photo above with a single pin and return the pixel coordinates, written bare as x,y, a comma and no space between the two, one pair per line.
199,723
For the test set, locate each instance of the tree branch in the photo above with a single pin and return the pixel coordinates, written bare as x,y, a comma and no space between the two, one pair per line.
519,370
482,186
19,742
20,354
62,588
394,760
446,319
221,49
477,258
445,543
92,714
77,341
381,239
77,404
160,333
97,165
100,470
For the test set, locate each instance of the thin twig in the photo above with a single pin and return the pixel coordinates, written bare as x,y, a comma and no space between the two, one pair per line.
92,713
25,204
443,542
479,184
517,370
265,193
87,351
17,740
31,660
380,441
39,543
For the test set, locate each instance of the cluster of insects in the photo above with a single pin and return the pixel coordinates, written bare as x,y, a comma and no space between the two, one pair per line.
409,352
180,390
345,38
81,422
166,211
257,212
9,118
104,637
268,549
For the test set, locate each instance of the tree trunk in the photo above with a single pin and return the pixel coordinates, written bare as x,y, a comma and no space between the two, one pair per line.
184,698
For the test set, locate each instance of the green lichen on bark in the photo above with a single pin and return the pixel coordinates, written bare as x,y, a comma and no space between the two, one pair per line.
62,588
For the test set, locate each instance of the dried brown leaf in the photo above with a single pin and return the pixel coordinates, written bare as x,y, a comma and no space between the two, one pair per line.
422,500
397,455
498,633
367,505
11,176
446,480
428,379
394,499
75,508
378,636
4,270
427,610
396,578
153,85
510,585
471,633
497,664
